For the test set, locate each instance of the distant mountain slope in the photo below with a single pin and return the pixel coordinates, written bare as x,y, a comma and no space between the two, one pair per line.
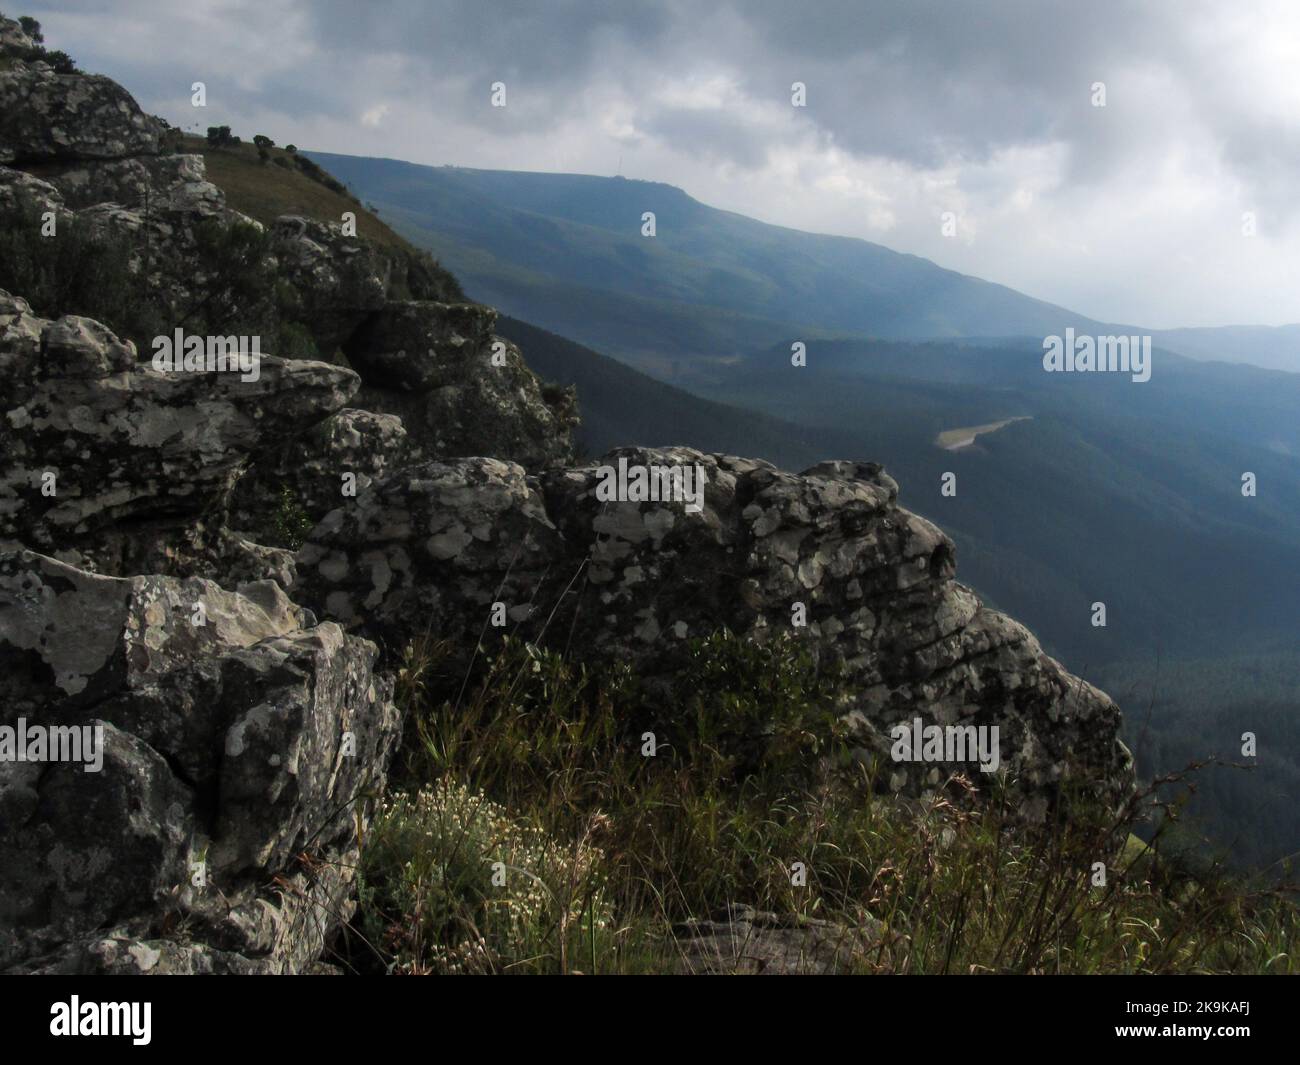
566,251
621,406
496,229
1114,491
1271,347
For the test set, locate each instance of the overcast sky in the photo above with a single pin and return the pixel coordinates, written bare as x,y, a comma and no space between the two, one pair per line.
1129,212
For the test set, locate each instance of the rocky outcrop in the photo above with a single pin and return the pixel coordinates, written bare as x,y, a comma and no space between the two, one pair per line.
827,554
166,184
343,280
47,117
335,460
441,542
121,463
418,347
13,39
242,748
459,389
23,194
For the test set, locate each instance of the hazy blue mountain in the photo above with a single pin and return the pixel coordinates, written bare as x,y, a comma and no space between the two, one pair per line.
542,246
1272,347
565,252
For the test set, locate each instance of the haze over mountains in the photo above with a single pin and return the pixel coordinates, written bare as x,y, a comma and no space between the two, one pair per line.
1103,489
565,251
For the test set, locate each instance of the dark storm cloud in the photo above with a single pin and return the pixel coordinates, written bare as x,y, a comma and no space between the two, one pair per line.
925,83
922,82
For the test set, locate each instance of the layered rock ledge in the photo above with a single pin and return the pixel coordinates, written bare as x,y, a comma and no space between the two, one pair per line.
828,554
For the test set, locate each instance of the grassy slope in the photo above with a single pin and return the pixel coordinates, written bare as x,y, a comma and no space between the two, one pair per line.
265,191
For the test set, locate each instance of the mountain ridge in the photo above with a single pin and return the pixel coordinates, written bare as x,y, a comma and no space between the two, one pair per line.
392,182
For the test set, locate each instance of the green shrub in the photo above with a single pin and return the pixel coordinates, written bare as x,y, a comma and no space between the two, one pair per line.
319,175
290,523
71,272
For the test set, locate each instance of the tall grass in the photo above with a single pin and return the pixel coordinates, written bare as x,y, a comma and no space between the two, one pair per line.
537,770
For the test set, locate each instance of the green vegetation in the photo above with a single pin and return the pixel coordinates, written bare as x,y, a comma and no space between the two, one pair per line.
290,523
532,762
221,137
74,272
60,61
1184,711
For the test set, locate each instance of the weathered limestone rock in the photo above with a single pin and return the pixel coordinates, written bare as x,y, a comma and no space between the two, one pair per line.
417,347
314,468
121,462
24,195
237,733
46,116
432,548
440,542
167,184
343,280
433,365
13,39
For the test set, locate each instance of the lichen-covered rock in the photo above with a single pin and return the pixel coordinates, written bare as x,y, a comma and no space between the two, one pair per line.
460,390
243,745
163,183
13,39
343,280
419,346
827,554
46,116
23,195
440,542
319,470
120,462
